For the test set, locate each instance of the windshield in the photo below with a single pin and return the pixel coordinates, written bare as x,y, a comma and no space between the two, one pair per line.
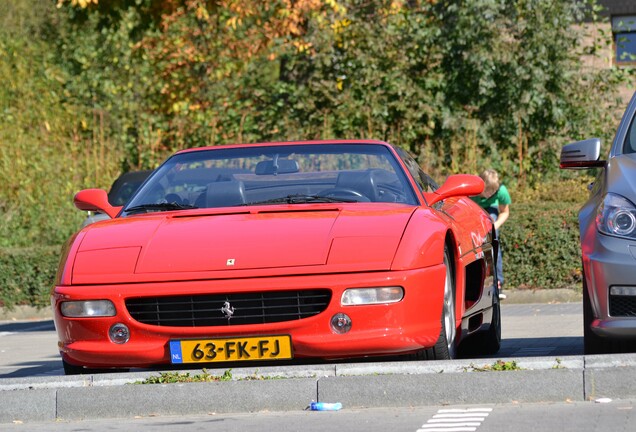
289,174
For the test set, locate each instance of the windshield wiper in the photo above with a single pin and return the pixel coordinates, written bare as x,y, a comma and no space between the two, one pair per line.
302,199
159,207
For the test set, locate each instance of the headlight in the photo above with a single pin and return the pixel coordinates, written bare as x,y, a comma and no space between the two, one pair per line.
617,217
366,296
88,308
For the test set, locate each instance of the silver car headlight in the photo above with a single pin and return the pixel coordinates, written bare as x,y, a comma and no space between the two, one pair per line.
617,217
88,309
368,296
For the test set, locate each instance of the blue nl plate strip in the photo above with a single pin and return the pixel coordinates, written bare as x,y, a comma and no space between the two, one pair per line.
175,352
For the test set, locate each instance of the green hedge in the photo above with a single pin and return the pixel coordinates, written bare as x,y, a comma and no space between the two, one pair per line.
540,240
27,275
541,246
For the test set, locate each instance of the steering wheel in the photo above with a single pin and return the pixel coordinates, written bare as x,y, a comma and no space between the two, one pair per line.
174,198
340,192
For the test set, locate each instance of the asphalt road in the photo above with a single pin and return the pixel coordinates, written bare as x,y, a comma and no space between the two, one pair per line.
615,416
29,348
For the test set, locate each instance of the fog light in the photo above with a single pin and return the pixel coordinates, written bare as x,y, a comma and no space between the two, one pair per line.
368,296
623,290
88,308
119,333
340,323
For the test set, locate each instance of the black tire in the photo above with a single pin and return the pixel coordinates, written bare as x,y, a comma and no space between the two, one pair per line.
71,369
445,347
492,338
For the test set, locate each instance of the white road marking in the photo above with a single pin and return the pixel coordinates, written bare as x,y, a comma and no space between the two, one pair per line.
6,333
457,410
436,419
456,420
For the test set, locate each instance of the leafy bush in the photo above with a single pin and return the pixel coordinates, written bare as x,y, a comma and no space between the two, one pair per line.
27,275
43,157
541,246
91,89
567,190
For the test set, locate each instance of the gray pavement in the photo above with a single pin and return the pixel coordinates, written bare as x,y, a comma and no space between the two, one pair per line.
617,416
365,385
543,340
544,329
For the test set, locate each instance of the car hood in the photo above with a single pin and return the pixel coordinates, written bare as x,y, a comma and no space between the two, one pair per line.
223,243
621,176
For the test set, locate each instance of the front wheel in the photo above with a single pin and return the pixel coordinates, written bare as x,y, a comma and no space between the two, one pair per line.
445,347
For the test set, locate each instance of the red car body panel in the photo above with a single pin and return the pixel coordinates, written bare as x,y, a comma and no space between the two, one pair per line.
376,329
283,247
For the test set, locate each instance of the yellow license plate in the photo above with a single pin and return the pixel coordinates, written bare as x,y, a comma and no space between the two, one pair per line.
231,349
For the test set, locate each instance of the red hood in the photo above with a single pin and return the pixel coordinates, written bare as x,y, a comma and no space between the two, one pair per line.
215,244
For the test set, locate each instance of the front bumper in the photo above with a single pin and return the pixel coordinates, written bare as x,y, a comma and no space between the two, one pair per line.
611,262
404,327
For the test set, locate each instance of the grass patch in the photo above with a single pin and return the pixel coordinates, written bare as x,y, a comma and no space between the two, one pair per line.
497,366
205,376
185,377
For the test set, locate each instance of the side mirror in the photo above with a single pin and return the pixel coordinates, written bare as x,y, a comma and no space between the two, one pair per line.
582,154
95,200
456,185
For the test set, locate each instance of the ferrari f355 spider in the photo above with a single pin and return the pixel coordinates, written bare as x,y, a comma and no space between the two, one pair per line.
278,252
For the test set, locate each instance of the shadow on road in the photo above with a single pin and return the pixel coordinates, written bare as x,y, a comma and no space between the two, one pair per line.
29,369
28,326
541,346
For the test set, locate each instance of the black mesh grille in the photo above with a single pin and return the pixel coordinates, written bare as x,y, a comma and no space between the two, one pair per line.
247,308
622,306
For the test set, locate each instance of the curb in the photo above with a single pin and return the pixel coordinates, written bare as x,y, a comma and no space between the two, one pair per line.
292,388
556,295
25,313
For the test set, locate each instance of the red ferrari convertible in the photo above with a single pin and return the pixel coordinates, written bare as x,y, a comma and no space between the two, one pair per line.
279,251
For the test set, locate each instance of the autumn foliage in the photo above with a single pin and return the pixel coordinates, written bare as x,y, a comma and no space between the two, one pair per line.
92,88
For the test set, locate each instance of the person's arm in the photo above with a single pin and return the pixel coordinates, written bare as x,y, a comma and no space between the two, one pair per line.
504,212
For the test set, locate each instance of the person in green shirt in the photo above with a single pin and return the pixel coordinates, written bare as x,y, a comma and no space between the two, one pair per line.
496,200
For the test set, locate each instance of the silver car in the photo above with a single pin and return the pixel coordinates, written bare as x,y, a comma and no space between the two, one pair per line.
607,223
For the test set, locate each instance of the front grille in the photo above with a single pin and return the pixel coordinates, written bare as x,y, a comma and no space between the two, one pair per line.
622,306
247,308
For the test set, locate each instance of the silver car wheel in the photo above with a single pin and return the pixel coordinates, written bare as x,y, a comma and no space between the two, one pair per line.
449,308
